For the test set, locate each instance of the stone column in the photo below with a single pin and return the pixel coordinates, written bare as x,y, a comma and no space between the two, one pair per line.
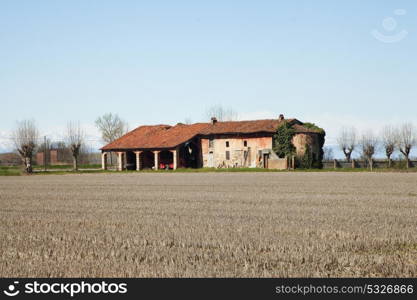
119,161
104,161
138,160
156,159
175,158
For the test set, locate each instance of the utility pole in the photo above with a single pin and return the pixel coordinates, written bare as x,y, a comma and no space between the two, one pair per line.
44,153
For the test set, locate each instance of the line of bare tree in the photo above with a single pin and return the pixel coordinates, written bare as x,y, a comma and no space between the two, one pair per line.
26,137
391,138
26,140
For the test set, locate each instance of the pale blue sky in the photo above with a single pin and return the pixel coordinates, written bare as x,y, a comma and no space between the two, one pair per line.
164,61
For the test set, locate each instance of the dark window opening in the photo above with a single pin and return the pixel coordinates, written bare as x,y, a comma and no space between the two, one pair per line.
211,143
227,144
245,143
227,155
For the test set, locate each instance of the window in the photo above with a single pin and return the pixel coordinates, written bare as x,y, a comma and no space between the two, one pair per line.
227,144
227,155
211,143
245,143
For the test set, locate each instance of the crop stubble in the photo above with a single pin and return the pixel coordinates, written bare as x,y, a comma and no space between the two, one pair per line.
209,225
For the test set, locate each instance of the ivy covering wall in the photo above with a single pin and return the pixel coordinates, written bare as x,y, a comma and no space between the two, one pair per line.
309,160
283,146
282,140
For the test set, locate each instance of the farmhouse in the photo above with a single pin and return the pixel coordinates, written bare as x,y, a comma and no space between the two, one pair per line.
215,144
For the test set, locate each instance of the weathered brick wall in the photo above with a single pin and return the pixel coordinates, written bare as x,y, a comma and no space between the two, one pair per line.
53,157
300,141
236,150
10,159
279,164
39,158
254,145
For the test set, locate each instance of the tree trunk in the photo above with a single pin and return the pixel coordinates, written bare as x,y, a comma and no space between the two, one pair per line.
348,156
75,163
389,162
371,164
407,160
28,165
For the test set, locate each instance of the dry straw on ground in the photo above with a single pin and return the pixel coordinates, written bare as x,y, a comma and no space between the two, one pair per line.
209,225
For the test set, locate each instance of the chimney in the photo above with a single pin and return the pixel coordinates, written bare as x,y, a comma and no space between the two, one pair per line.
281,117
213,120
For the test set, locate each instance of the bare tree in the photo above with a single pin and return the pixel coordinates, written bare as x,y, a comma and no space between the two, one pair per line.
389,142
328,154
406,138
369,144
347,141
25,138
221,113
111,127
75,139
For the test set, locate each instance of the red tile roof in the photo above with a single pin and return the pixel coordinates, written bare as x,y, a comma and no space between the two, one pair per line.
165,136
253,126
157,136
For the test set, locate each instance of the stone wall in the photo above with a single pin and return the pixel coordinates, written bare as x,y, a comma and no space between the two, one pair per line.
214,152
300,141
278,163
